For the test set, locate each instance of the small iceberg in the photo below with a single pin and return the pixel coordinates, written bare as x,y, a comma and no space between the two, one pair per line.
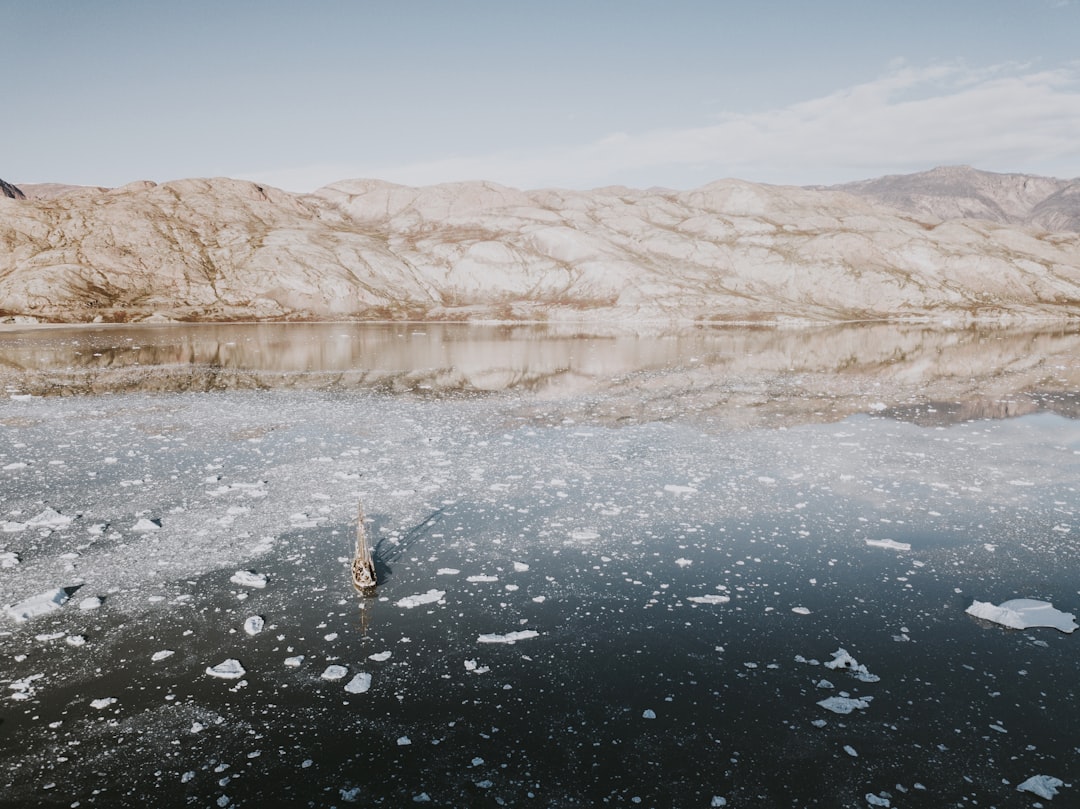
710,599
509,637
1023,613
249,578
890,544
254,625
1045,786
845,662
41,604
430,597
359,683
845,705
227,670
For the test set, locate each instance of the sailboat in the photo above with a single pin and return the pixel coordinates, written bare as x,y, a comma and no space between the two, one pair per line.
363,564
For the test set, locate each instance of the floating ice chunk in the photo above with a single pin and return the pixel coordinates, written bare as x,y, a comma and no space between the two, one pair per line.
49,636
404,741
294,662
333,673
254,625
800,610
157,657
891,544
718,800
851,751
520,567
878,800
75,640
49,518
41,604
10,467
12,527
249,578
91,603
430,597
471,665
227,670
24,688
481,578
684,562
584,534
379,657
447,571
673,488
845,705
103,703
1023,613
1045,786
144,525
9,559
423,797
360,683
648,713
710,599
842,660
509,637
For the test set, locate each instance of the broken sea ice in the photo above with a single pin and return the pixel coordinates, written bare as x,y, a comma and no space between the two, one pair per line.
1023,613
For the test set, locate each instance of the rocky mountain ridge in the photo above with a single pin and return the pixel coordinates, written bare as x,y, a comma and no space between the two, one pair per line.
961,192
730,251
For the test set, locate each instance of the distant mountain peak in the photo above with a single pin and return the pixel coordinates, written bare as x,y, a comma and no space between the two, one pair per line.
964,192
11,191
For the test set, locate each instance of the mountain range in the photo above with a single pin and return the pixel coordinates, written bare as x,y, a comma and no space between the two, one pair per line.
951,244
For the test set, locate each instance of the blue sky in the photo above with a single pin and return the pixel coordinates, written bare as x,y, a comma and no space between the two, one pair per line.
574,94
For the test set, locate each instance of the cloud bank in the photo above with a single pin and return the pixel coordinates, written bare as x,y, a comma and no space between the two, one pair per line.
1001,118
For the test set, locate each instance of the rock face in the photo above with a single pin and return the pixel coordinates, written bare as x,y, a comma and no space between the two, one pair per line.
10,191
961,192
730,251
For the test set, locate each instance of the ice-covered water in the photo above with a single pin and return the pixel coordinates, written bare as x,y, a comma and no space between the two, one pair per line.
583,600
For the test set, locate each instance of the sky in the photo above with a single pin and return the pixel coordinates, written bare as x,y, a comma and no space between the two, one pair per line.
577,94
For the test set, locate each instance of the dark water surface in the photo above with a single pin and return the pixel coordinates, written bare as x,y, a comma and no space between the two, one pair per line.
582,487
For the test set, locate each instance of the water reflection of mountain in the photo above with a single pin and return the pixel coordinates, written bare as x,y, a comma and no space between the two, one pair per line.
928,376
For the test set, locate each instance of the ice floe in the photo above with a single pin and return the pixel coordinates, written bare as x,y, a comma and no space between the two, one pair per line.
842,661
891,544
1023,613
102,703
8,559
90,603
249,578
227,670
41,604
712,598
509,637
254,625
379,657
1045,786
360,683
157,657
845,705
334,672
430,597
49,518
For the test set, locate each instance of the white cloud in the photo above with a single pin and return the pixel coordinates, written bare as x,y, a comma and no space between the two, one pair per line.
1001,118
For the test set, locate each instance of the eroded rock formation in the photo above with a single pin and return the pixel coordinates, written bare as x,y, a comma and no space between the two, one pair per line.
730,251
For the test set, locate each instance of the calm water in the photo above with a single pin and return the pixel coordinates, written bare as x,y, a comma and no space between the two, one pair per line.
583,487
